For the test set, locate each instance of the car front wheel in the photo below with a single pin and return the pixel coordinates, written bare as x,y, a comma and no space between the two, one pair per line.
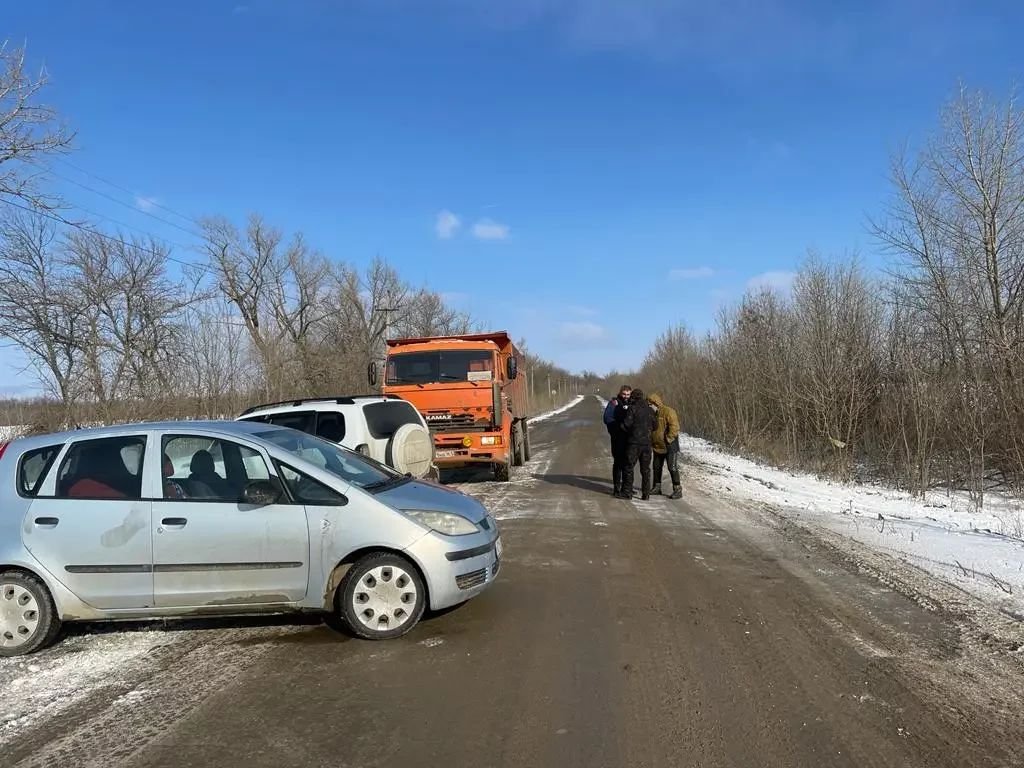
28,619
383,597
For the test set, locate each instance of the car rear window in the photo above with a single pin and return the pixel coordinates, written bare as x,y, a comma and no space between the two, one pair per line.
300,420
384,419
33,466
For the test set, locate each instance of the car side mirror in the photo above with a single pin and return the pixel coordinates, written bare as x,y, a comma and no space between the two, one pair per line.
261,493
513,368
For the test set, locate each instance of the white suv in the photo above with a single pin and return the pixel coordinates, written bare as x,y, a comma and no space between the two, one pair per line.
386,428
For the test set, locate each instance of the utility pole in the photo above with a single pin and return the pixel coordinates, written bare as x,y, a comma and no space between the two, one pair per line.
381,353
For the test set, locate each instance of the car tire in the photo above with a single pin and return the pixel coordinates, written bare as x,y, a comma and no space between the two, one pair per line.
382,597
28,617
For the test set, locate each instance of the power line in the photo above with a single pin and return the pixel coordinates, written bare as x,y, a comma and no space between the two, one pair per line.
110,238
124,189
113,199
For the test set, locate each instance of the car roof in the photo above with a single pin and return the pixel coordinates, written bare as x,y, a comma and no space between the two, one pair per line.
240,428
312,403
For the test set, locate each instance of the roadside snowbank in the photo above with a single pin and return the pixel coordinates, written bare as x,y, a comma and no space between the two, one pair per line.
981,551
542,416
11,431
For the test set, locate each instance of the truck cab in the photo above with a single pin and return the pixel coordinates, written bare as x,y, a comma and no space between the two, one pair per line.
470,394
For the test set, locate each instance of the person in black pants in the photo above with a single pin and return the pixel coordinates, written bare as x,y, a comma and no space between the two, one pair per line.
614,413
637,424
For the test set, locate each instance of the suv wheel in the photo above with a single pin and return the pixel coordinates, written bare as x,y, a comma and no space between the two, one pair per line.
382,597
28,619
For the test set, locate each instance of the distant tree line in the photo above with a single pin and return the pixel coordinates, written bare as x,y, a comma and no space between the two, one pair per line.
917,375
117,326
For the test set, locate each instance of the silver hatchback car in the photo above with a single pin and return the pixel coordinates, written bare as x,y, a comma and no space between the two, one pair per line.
199,518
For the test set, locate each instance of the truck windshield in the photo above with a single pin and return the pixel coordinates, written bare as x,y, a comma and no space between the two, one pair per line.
440,366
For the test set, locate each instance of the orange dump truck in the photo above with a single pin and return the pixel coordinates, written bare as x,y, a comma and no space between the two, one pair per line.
470,393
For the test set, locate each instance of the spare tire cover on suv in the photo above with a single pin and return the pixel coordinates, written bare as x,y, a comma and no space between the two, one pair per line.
411,449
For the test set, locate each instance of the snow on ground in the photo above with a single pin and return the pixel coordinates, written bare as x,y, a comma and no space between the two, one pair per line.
542,416
43,684
981,551
11,431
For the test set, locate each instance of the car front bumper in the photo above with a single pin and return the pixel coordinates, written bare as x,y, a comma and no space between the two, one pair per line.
458,568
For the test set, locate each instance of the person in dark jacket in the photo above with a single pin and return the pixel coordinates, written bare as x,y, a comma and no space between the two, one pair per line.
637,425
614,413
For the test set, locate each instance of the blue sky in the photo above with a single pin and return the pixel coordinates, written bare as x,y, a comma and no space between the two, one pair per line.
583,173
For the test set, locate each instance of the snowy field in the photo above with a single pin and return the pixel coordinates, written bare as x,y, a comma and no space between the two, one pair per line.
980,551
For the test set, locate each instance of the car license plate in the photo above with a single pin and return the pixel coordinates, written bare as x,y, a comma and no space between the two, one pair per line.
497,548
444,454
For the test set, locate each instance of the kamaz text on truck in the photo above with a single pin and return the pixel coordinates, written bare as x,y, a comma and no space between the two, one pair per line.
470,393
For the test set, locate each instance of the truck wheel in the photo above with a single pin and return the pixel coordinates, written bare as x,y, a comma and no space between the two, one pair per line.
382,597
526,440
28,618
502,472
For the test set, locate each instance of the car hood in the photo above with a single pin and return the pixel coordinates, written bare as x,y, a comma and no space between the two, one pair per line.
419,495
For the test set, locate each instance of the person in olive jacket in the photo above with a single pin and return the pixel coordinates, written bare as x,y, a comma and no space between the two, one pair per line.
665,444
638,425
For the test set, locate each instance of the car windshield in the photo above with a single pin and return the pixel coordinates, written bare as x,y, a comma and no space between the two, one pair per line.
350,466
440,366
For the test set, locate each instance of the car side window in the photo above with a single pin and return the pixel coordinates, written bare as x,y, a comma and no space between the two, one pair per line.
33,466
300,420
330,425
198,468
105,468
305,490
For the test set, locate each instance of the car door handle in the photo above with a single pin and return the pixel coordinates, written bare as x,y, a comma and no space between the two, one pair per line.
174,522
47,522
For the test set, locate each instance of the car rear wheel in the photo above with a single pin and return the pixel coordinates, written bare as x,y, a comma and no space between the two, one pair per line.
28,618
383,597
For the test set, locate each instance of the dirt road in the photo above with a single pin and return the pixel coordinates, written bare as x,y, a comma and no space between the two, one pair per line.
620,634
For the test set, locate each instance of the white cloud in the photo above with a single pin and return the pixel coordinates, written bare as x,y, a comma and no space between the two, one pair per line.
447,224
488,229
776,280
580,310
691,273
583,332
146,204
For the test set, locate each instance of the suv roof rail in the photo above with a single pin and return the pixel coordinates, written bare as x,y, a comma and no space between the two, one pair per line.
340,400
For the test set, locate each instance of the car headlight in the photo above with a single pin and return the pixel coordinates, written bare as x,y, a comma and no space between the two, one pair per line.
442,522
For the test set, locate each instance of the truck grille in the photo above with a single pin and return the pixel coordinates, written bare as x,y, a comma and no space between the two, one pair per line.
471,579
442,421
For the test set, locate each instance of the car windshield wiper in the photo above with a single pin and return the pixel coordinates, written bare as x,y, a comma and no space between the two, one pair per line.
387,482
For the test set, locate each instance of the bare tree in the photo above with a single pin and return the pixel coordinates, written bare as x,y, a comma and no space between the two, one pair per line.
29,130
40,312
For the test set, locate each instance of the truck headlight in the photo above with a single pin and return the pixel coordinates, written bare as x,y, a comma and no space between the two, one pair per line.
490,440
442,522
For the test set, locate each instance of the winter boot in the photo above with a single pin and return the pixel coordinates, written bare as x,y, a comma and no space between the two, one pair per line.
617,491
677,492
656,490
